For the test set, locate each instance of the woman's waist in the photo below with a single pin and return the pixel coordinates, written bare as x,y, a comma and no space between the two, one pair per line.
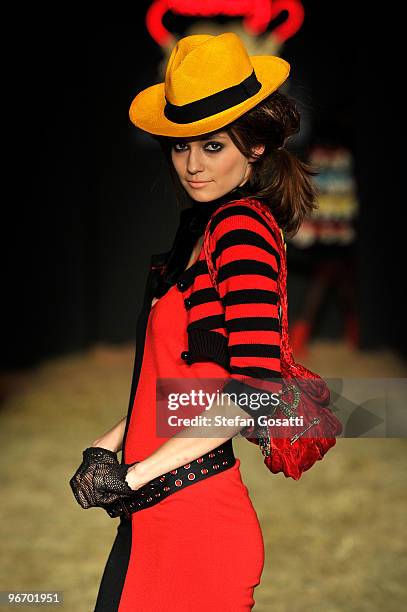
223,497
203,468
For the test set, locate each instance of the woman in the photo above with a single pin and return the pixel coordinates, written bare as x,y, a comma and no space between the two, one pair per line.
222,125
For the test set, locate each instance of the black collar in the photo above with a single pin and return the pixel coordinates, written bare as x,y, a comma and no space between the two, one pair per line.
197,216
192,223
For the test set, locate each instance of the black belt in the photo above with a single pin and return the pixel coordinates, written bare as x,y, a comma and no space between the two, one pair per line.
218,460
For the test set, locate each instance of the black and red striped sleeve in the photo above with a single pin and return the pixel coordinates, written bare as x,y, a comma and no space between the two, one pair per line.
245,259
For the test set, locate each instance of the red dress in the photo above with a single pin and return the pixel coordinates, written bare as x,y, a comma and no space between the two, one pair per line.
200,548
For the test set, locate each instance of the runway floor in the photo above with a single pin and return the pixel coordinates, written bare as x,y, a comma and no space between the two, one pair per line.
335,540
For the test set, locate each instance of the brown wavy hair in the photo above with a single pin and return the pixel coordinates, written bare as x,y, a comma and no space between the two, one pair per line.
278,177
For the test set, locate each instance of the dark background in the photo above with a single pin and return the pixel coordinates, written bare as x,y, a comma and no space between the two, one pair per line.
91,199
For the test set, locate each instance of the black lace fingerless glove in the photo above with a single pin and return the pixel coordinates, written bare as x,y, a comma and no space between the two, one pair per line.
100,479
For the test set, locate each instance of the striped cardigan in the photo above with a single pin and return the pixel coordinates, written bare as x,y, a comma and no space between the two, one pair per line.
237,326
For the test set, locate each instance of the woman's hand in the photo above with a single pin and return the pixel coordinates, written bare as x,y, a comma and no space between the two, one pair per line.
99,479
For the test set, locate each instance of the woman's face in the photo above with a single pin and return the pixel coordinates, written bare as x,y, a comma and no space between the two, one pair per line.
209,166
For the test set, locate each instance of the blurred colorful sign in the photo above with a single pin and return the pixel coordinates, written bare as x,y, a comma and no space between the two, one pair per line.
257,15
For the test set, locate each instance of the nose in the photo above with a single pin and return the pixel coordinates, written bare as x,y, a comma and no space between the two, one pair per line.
194,161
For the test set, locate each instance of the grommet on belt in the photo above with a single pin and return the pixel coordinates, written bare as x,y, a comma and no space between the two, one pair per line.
185,355
188,303
181,285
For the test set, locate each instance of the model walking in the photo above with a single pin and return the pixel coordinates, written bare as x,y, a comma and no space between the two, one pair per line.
189,537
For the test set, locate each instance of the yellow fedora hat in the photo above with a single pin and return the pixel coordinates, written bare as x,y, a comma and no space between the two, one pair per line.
209,82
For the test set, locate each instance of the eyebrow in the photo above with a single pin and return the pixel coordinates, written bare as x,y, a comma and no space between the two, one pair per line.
186,139
216,135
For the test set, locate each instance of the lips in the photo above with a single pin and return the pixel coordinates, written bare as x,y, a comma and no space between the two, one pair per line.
198,184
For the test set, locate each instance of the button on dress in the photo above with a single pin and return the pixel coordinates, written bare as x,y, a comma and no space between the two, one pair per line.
200,548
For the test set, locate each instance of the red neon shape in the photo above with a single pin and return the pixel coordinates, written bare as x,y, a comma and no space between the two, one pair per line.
257,15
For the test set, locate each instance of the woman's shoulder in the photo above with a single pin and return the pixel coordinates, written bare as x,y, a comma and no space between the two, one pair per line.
243,206
241,213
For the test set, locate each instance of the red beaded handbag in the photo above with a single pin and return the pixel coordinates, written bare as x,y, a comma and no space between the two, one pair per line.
304,393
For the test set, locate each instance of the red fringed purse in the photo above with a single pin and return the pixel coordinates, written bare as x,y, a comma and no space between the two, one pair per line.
304,393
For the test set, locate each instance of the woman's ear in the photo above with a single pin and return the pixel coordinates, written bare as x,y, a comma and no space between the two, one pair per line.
259,150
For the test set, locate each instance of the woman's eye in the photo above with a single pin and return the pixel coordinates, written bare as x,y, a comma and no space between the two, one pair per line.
217,144
177,144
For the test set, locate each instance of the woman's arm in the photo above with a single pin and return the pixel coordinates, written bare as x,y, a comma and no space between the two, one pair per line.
189,444
112,439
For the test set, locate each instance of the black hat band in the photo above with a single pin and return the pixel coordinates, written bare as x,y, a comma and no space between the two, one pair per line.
213,104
